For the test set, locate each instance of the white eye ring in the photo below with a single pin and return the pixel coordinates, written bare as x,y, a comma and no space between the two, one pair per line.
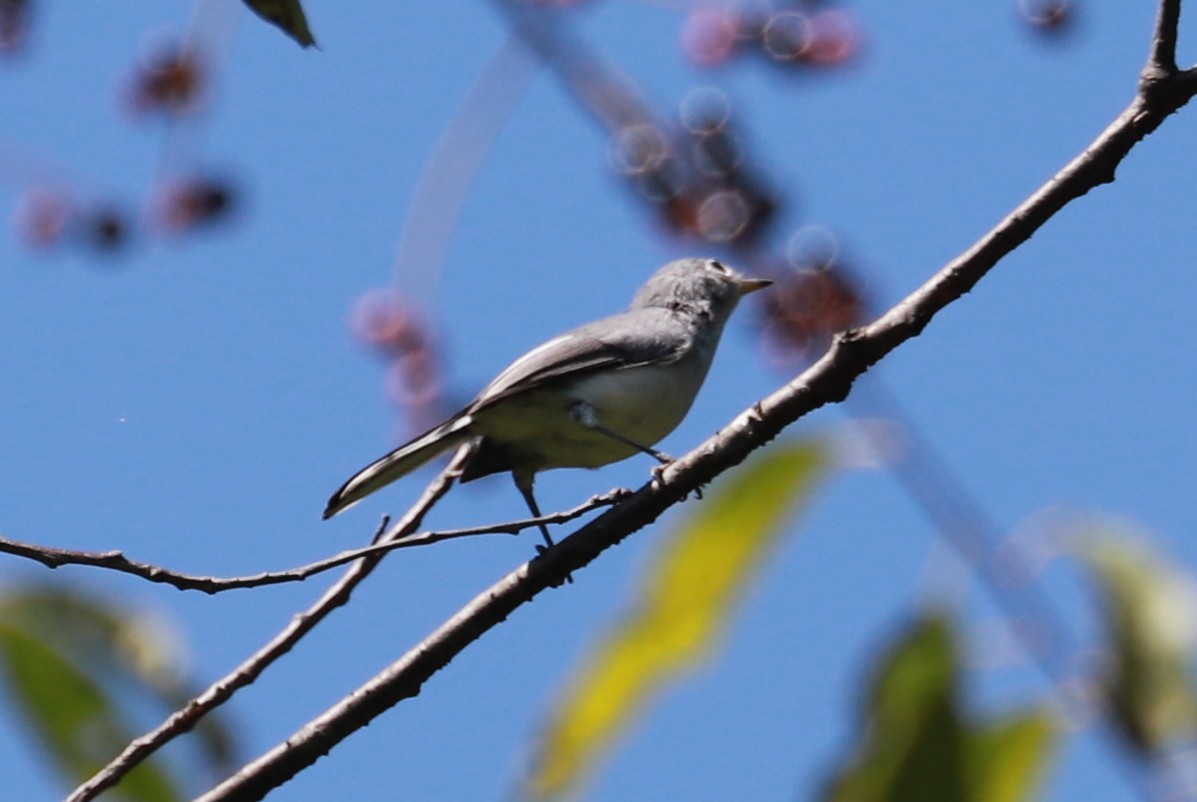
715,265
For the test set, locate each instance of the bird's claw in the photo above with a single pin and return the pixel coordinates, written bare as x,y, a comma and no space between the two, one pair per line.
658,471
542,551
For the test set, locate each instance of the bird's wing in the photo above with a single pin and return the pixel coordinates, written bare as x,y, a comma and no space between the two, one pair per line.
633,338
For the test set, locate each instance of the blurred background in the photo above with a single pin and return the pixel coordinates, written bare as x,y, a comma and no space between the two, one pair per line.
237,270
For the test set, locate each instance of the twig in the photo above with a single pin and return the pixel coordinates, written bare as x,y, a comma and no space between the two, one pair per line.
827,381
1162,61
222,690
117,561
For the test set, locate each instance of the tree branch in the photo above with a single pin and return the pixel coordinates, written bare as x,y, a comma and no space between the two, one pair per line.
827,381
1162,61
116,561
223,689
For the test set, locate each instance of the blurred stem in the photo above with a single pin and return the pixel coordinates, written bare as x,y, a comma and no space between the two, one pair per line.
460,153
610,99
1002,566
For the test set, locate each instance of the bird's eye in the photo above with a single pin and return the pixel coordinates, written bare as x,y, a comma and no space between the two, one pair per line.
718,266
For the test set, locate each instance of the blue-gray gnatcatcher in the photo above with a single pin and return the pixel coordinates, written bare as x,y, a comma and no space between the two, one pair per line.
590,397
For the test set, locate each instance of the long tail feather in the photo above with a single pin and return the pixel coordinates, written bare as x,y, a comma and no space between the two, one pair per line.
399,463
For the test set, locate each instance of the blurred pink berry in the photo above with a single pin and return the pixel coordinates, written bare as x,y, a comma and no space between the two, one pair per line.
42,218
710,36
382,320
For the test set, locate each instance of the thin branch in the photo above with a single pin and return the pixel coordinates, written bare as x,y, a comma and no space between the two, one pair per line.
223,689
825,382
117,561
1162,61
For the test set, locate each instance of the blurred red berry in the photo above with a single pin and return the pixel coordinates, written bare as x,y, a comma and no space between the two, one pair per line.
710,36
42,217
1050,17
834,38
171,81
805,307
195,201
679,212
14,24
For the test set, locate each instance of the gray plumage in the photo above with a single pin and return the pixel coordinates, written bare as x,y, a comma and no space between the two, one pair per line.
592,396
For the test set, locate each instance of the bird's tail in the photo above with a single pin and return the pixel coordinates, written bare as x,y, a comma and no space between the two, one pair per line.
399,463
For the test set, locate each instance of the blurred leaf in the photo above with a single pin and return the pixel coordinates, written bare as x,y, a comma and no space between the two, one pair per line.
913,745
1007,760
76,720
916,743
72,662
1151,617
287,15
682,611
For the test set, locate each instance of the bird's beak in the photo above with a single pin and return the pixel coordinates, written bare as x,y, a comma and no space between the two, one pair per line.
748,285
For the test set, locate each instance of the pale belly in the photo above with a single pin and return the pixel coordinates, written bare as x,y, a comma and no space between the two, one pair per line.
642,404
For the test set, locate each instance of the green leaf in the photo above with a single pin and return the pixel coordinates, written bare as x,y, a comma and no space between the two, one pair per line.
682,611
287,15
76,720
74,661
1151,615
916,743
913,744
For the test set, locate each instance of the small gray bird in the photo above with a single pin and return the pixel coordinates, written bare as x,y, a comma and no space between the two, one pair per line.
590,397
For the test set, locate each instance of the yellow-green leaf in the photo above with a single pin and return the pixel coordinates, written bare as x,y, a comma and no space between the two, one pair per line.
286,15
681,611
1008,759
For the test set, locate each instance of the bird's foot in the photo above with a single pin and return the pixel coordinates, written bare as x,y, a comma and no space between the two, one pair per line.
658,472
542,551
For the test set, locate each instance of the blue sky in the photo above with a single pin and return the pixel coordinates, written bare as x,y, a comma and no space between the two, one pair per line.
194,400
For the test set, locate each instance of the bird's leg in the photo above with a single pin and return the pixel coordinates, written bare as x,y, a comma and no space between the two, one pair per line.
523,481
585,416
